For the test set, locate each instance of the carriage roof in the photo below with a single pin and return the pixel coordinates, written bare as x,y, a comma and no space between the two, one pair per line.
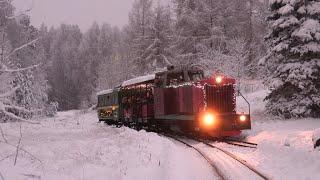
103,92
139,80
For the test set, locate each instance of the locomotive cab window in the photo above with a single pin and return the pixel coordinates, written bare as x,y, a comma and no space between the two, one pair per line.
196,76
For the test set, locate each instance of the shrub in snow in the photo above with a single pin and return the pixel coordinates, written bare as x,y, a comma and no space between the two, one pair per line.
294,59
52,109
316,138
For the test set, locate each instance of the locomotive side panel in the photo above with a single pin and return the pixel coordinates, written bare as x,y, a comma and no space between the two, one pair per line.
185,103
159,101
197,99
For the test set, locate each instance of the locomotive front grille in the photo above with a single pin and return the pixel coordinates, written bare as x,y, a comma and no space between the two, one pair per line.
221,98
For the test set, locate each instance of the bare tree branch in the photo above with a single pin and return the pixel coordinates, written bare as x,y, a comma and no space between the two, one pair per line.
32,176
9,93
25,151
5,1
13,116
20,14
21,109
3,136
18,146
1,176
21,47
6,157
8,70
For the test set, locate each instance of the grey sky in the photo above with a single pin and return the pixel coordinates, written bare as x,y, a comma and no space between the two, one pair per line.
81,12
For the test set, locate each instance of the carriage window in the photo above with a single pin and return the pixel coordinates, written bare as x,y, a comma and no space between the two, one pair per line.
99,101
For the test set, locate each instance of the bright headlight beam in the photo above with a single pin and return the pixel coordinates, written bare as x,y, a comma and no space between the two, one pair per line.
208,119
219,79
243,118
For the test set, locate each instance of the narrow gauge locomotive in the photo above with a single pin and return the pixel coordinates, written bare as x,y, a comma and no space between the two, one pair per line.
178,99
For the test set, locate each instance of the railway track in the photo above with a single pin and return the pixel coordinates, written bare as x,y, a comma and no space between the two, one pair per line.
207,158
232,162
242,144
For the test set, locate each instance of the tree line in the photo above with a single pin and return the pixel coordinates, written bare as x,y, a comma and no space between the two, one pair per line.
217,35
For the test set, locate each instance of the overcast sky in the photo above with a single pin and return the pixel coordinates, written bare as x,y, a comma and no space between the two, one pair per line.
81,12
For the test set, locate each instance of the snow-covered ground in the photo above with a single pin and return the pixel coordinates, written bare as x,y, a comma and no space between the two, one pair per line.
74,146
285,147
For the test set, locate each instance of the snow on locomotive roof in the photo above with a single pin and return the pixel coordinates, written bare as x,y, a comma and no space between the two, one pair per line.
139,79
108,91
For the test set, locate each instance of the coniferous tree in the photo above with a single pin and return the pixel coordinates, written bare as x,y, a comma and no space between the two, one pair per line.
294,59
140,34
158,53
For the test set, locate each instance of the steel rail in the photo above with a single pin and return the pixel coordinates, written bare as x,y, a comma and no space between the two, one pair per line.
233,156
239,141
240,160
212,164
235,143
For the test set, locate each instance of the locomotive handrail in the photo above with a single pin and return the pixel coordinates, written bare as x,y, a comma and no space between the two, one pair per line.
245,100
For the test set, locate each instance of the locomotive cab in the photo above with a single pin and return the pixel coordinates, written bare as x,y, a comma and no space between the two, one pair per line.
184,98
177,77
219,117
177,98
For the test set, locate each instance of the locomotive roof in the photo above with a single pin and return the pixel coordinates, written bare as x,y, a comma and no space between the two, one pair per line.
180,69
103,92
139,80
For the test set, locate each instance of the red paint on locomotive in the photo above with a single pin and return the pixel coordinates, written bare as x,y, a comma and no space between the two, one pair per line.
183,99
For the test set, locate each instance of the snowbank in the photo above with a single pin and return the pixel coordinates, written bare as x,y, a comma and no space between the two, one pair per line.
285,147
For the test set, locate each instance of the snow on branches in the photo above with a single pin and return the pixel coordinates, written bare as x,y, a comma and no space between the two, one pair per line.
9,108
294,61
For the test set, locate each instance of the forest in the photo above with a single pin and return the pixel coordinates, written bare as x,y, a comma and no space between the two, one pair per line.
62,68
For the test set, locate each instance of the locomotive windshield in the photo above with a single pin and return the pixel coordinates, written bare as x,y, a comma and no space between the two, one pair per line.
176,77
196,76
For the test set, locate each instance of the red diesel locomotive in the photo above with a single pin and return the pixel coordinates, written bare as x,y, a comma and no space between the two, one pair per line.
180,100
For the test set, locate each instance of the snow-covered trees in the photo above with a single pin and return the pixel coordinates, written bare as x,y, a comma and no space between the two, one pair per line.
140,32
18,66
149,35
205,29
63,75
190,30
294,59
158,53
90,56
217,34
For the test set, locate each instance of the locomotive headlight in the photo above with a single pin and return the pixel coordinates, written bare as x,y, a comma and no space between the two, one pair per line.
219,79
208,119
243,118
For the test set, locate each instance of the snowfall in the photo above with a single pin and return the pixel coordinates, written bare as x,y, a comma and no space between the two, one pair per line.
74,146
